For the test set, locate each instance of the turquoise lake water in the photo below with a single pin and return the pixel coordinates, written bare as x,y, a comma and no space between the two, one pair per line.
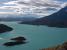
38,37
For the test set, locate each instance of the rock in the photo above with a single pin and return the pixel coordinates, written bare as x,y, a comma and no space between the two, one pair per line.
5,28
59,47
13,43
18,39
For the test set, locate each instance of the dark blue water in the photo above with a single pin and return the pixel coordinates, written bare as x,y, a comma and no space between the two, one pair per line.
38,37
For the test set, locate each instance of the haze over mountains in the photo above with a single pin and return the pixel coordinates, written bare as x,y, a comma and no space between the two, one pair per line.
58,19
25,17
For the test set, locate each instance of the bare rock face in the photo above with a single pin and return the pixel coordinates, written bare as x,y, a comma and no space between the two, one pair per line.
5,28
59,47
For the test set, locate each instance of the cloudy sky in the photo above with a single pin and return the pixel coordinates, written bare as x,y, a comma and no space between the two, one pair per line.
37,7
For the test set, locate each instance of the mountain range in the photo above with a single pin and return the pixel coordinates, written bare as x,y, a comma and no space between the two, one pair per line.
24,17
57,19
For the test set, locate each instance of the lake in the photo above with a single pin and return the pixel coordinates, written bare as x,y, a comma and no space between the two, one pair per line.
38,37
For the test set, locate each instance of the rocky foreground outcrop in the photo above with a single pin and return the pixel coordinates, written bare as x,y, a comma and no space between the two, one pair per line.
59,47
5,28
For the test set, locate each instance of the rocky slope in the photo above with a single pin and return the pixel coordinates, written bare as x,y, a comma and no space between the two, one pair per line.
59,47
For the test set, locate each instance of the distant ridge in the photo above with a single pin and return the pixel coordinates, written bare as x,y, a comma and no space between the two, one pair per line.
58,19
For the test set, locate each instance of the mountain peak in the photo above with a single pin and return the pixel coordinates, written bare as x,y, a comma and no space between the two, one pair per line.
64,9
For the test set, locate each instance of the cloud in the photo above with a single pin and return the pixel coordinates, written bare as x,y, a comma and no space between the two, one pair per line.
64,4
40,3
38,7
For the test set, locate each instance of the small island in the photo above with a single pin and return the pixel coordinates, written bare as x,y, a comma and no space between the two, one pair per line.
59,47
5,28
16,41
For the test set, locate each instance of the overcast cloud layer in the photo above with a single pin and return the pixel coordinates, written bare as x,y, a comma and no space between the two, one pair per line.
37,7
